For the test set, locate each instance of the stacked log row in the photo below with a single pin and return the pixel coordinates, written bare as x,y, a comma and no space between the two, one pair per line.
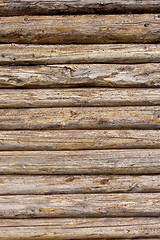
79,120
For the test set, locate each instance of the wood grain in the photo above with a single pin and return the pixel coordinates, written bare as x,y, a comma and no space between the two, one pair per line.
78,140
80,228
78,97
43,7
133,161
81,205
21,54
88,183
21,185
144,28
81,75
147,117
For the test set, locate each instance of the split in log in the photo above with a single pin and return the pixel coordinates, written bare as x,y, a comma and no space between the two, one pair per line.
81,29
78,97
81,205
81,75
19,54
26,185
147,117
78,140
44,7
80,228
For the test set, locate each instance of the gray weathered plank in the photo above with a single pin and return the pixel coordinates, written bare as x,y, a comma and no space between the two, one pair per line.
143,161
45,7
81,205
78,97
21,54
80,228
25,185
78,139
135,117
144,28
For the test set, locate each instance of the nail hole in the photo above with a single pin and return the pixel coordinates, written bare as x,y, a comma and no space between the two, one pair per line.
146,24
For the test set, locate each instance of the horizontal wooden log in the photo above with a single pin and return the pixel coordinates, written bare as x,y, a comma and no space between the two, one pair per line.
81,162
19,54
80,228
21,185
81,205
78,139
81,118
43,7
78,97
57,222
144,28
81,75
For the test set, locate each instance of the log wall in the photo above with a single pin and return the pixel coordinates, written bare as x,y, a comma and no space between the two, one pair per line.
79,120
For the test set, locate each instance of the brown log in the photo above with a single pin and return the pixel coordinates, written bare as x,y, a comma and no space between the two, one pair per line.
19,54
81,205
144,28
78,140
80,228
26,185
78,97
43,7
81,118
81,162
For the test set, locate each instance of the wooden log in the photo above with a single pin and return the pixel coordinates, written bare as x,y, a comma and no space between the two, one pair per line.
122,161
86,97
78,140
144,28
81,205
81,162
19,54
80,75
81,118
25,185
80,228
58,222
43,7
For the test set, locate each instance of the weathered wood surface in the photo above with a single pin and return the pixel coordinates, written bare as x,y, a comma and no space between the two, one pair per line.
144,28
88,222
89,186
81,205
80,228
135,117
78,97
21,54
25,185
44,7
78,139
143,161
81,75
